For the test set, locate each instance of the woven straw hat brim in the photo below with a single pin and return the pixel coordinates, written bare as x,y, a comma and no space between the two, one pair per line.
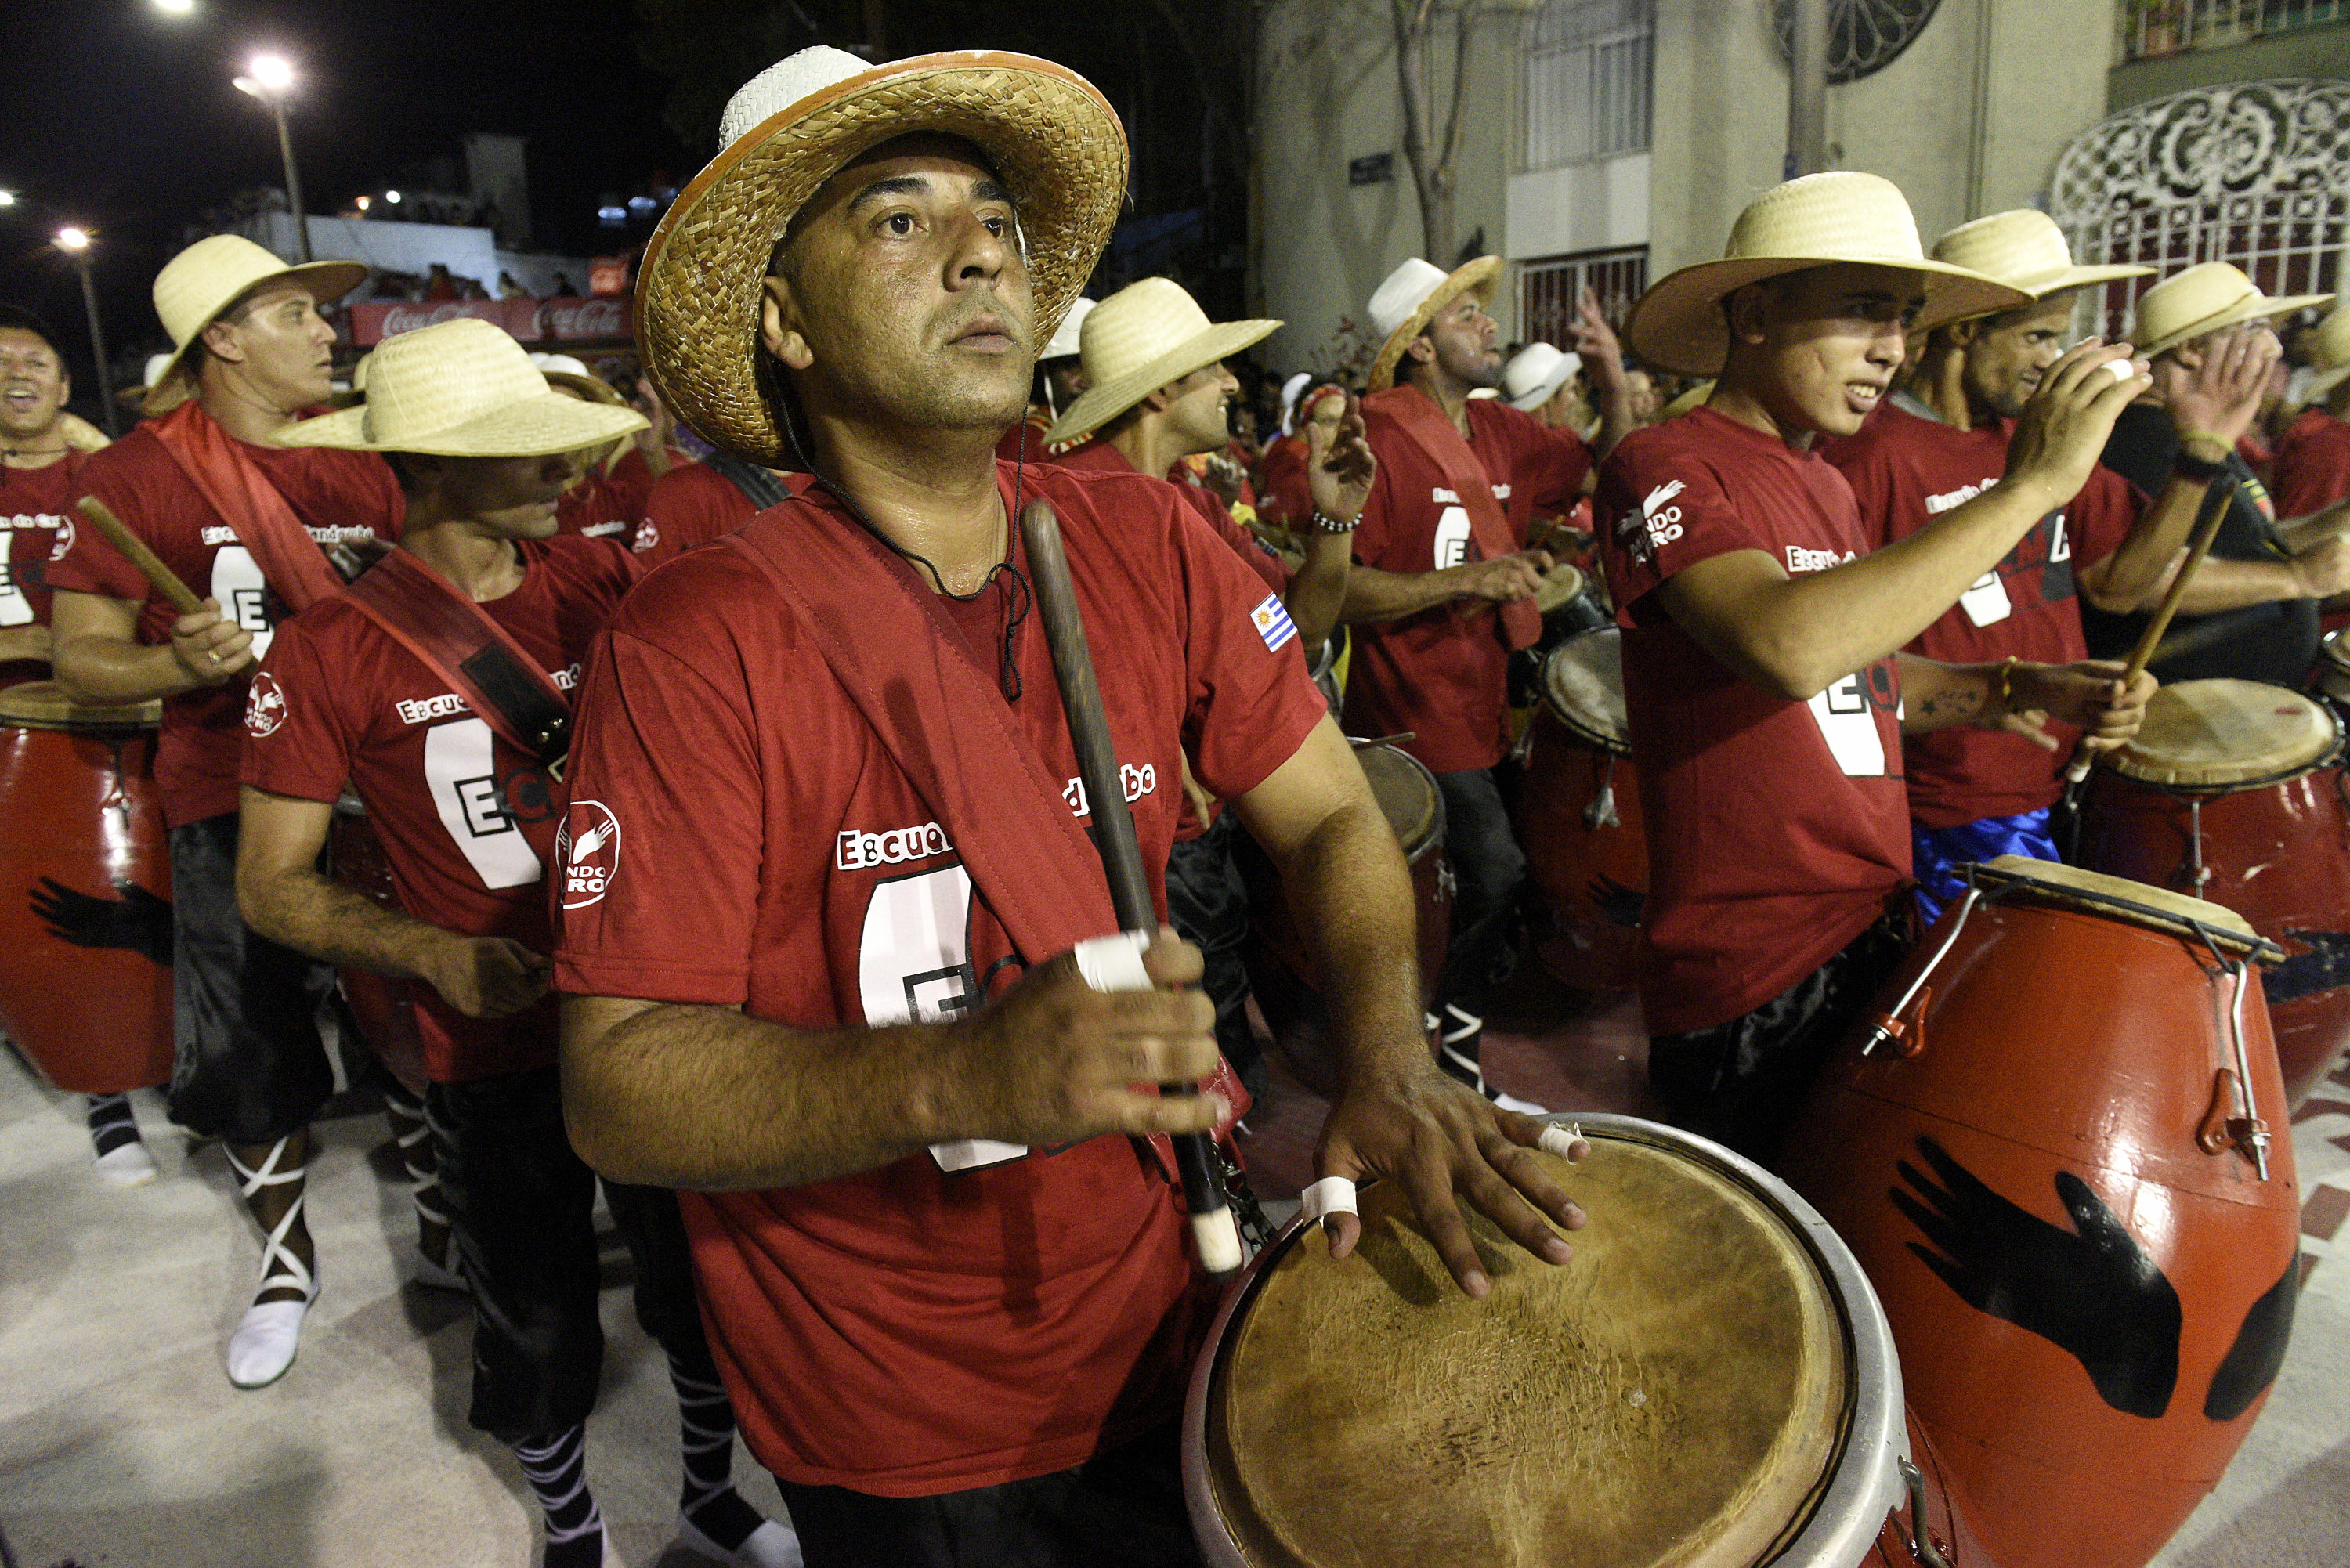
2256,308
537,426
327,282
1055,140
1479,276
588,386
1678,325
1097,406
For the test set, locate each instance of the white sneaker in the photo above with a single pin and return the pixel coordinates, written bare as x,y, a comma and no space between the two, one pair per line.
772,1545
265,1342
128,1166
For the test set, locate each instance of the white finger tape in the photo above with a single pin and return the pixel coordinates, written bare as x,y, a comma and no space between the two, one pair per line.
1114,963
1331,1195
1560,1140
2122,369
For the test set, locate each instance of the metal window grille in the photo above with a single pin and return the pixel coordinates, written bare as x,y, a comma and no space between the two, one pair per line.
2152,28
1590,73
1549,288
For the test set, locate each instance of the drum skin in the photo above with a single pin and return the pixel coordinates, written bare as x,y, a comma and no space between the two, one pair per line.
1592,877
2090,1308
379,1003
2279,856
85,907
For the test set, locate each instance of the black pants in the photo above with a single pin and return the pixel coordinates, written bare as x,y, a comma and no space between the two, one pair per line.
1488,870
1123,1508
1743,1083
249,1065
1207,903
522,1206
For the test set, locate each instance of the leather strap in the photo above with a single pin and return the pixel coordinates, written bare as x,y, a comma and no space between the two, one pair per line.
759,485
296,569
1415,414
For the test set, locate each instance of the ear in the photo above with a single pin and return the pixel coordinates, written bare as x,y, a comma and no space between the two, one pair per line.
1963,333
220,339
1422,348
1747,310
778,325
1157,401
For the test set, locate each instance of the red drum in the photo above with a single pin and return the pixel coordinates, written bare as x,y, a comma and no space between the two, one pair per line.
1709,1384
2233,792
379,1003
85,892
1578,817
1280,973
2063,1159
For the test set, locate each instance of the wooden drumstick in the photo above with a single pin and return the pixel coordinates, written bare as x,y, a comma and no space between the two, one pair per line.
2216,502
1213,1229
134,550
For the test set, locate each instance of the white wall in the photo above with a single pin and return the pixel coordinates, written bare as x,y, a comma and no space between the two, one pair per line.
414,247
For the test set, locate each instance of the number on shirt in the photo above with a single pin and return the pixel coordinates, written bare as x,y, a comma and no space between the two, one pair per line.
1848,723
913,963
238,585
16,609
461,771
1451,537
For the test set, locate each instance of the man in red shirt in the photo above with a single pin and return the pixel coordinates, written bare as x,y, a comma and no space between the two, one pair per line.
1445,601
356,691
827,856
2313,460
1767,695
1980,791
695,503
242,522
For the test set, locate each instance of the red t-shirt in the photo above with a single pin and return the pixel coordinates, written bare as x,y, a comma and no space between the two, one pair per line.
1098,456
902,1331
339,495
1905,471
2312,464
691,504
1785,823
37,508
1441,674
467,821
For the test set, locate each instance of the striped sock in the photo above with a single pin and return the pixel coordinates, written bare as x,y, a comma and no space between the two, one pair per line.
112,1124
556,1470
705,1421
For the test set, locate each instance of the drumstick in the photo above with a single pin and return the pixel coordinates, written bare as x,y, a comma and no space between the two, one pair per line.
167,581
2216,502
1213,1229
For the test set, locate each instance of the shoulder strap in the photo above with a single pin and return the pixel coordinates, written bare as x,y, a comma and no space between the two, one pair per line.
761,487
1421,422
296,569
459,641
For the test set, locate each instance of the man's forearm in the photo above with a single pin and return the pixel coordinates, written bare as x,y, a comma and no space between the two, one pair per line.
107,670
1936,696
335,924
1350,892
1373,595
2132,575
1318,590
1616,422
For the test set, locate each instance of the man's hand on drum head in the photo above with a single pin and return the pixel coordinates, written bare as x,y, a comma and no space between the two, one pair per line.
211,648
1505,579
1443,1141
2089,696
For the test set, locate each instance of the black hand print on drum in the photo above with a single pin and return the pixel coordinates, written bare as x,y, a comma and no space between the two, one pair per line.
2091,1291
2252,1363
135,920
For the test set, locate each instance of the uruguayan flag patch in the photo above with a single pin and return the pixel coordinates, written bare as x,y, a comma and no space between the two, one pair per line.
1273,622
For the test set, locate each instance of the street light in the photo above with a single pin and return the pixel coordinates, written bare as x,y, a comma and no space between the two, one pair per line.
270,77
7,198
74,244
176,7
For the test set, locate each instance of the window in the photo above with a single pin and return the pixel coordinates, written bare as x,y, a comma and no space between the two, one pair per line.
1548,289
2151,28
1590,75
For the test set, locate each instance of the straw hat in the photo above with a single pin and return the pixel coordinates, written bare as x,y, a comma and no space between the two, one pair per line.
1143,336
1403,306
1055,141
573,374
1534,376
2333,362
2025,249
1689,399
2204,299
1066,343
1819,220
461,388
199,283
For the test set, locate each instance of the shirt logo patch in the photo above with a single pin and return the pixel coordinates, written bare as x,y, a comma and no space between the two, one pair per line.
1272,621
587,848
1661,517
264,706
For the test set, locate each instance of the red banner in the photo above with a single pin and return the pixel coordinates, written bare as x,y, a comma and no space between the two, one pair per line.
560,320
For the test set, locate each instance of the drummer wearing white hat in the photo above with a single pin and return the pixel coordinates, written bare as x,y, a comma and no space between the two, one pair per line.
243,522
1535,377
2251,611
2312,461
1977,792
827,871
1763,671
1060,381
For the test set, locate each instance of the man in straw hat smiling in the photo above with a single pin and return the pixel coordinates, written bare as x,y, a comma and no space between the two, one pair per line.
242,521
2312,460
1766,691
827,858
1977,792
388,687
2251,611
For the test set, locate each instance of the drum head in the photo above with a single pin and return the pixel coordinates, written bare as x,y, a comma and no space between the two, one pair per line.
1560,586
2119,899
1406,792
1583,685
2228,735
1676,1395
44,705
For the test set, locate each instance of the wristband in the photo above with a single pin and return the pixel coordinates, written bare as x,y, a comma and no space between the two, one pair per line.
2188,466
1325,524
2007,685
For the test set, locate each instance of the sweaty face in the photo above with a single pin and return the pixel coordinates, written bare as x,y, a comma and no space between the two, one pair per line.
513,497
1820,347
279,346
1197,405
33,388
2007,355
1467,343
905,295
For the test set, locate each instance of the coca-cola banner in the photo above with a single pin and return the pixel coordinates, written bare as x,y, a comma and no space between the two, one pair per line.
560,320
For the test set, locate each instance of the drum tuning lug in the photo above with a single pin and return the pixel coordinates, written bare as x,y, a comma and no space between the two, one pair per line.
2250,1134
1924,1549
1907,1036
2216,1133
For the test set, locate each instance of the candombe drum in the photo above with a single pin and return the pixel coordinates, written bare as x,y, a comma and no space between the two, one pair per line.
1709,1383
85,892
2061,1152
1570,606
1280,972
2232,791
379,1003
1577,816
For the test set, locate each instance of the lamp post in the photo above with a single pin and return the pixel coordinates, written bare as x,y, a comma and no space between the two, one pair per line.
74,244
270,77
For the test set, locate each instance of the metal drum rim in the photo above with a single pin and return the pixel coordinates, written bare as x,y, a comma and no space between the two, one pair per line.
1865,1483
1436,825
1615,746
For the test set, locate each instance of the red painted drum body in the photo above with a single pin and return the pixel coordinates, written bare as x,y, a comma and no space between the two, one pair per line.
379,1003
2085,1238
2233,792
85,892
1577,816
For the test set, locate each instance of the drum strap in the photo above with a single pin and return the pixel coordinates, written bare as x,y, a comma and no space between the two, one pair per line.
758,485
296,570
1424,424
459,641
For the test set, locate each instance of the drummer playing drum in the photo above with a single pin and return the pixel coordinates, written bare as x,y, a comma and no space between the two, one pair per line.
1766,692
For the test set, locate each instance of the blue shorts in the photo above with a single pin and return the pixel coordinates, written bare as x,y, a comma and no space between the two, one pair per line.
1938,853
